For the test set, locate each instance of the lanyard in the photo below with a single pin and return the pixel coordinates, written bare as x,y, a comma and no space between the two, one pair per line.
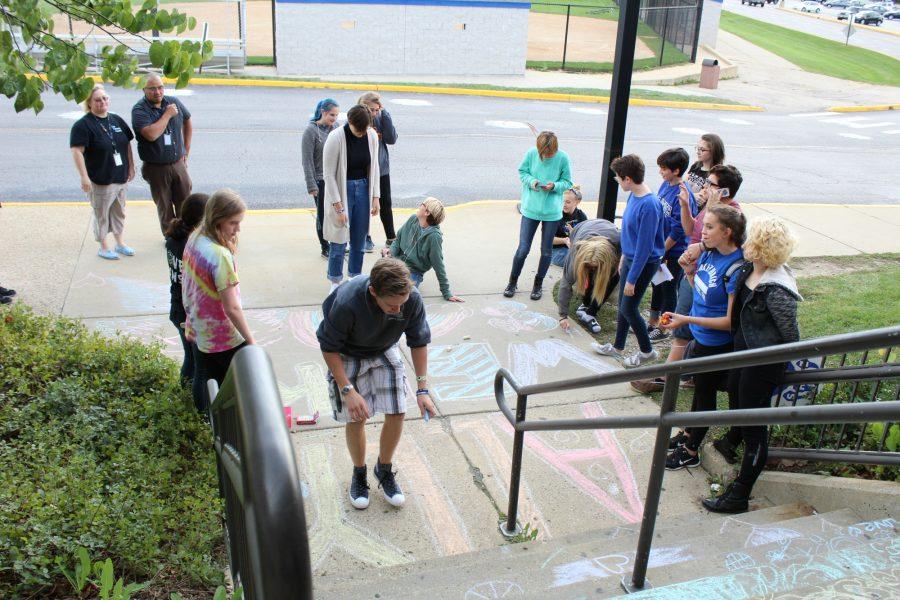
107,129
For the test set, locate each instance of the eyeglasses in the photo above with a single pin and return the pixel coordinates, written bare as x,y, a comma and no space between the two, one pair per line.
702,149
709,184
155,88
101,99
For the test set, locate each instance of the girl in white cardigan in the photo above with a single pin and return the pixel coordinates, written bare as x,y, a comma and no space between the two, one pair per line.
350,168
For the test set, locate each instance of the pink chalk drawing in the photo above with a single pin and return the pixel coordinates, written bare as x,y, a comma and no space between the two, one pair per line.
513,317
443,319
607,449
303,324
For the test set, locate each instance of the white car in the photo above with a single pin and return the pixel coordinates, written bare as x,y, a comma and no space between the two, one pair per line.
810,7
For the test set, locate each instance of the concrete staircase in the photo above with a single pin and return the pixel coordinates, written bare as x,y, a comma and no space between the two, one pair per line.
785,551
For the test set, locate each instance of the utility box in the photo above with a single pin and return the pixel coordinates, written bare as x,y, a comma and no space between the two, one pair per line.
709,74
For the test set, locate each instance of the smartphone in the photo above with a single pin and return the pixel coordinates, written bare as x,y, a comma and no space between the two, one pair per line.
724,192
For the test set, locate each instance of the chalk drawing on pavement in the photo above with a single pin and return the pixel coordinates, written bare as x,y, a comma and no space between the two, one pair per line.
489,590
310,392
444,318
617,564
303,324
462,371
147,329
88,281
525,359
514,317
606,453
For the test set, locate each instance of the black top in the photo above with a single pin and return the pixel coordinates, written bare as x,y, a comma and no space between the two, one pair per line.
101,139
354,325
743,294
572,220
696,177
174,253
358,157
157,152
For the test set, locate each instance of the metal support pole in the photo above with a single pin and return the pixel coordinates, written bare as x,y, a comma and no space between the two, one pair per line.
274,44
618,105
566,37
662,38
696,37
654,490
511,529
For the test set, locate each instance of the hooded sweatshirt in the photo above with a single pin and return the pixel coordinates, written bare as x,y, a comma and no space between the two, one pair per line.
539,204
421,250
768,315
584,231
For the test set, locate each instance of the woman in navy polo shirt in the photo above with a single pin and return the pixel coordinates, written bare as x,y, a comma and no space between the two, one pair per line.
101,147
710,320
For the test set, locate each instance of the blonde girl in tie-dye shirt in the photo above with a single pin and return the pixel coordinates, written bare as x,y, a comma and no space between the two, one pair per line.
211,293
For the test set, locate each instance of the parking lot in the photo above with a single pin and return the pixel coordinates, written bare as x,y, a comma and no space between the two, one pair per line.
863,37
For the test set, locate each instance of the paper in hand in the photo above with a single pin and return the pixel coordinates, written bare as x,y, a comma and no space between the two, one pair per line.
662,275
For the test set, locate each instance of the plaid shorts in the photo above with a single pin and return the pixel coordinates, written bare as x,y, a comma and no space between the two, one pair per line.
380,380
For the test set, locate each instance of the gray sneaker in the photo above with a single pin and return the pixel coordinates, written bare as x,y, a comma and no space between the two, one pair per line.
657,335
607,350
639,358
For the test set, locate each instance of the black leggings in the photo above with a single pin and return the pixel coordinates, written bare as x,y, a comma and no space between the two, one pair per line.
706,386
593,304
320,214
187,365
385,212
752,387
206,367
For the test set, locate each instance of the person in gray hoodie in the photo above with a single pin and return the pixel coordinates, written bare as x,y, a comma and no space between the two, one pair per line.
592,268
764,314
322,122
419,244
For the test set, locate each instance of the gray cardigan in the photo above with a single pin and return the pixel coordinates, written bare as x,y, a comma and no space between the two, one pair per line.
311,146
583,231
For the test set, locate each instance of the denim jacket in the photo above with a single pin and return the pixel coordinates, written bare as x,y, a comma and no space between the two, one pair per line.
769,314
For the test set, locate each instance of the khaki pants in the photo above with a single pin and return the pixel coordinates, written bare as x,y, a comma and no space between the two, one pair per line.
108,202
169,185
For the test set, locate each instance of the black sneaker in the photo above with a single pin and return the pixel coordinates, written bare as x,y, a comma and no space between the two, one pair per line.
726,449
6,292
657,335
536,292
388,484
5,300
324,253
510,290
678,440
681,459
359,488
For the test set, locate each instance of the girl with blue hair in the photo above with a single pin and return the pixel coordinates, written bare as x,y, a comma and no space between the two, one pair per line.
322,122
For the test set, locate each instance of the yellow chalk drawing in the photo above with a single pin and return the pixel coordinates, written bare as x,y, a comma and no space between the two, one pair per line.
329,531
445,522
310,388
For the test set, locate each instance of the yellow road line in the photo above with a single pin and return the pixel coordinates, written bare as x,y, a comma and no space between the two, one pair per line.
870,108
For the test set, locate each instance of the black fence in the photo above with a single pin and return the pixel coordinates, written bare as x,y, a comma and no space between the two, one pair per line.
265,525
669,28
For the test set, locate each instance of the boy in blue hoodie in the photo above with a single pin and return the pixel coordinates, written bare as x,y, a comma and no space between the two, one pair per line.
642,248
672,164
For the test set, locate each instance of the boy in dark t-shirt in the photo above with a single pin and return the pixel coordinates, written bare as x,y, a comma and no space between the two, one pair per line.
572,216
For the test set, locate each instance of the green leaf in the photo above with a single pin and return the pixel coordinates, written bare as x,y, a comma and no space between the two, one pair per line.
192,22
196,59
183,80
158,54
106,579
220,594
22,102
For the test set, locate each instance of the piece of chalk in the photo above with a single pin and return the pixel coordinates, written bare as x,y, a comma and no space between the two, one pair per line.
467,337
427,416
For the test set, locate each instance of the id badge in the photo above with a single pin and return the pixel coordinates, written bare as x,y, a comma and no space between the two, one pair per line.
117,159
167,139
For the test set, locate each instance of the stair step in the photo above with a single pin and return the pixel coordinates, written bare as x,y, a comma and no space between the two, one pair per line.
446,576
819,554
875,585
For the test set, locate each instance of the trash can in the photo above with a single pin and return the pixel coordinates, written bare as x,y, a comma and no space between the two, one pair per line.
709,74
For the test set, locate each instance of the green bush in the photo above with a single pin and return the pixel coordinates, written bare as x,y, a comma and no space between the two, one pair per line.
100,448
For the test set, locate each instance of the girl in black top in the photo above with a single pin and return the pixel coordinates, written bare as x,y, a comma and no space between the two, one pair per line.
190,215
710,152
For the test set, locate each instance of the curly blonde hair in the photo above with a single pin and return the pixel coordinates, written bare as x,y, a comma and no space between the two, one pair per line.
770,240
596,253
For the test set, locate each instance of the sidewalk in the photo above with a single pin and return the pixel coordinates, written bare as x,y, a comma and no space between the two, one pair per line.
455,468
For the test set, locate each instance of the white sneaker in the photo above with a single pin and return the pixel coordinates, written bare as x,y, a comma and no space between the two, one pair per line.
581,312
589,321
639,358
606,350
334,286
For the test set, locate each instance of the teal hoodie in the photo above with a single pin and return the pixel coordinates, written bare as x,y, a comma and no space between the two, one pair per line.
422,250
538,204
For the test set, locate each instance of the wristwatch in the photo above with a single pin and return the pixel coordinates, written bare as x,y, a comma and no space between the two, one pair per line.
347,389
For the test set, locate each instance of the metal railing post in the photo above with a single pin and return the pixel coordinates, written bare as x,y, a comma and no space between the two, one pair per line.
665,32
566,36
654,489
511,529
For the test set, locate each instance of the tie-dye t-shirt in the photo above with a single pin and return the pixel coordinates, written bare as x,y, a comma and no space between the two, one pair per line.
207,269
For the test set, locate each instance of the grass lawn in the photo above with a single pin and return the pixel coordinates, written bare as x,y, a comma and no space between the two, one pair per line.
816,54
594,9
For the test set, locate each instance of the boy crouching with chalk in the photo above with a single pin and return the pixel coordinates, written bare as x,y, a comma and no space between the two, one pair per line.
362,321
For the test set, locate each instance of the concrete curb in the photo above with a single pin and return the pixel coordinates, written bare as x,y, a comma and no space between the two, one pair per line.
457,91
827,18
871,108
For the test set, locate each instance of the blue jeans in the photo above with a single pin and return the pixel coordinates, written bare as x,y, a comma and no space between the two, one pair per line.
416,277
358,218
629,313
526,235
665,295
559,255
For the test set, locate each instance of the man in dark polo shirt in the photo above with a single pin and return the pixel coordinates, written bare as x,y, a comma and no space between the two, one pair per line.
163,128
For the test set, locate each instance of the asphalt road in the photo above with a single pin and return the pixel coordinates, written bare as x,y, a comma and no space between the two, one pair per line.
468,148
862,37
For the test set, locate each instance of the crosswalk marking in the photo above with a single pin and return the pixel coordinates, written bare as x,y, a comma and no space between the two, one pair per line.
855,136
817,114
689,130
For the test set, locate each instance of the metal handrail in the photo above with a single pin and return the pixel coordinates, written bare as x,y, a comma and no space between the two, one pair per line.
258,478
846,413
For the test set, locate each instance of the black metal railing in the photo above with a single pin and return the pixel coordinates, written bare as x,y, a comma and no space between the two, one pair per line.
861,412
265,525
671,28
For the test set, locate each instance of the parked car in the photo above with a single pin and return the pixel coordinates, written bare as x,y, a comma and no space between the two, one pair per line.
844,15
879,8
810,7
836,4
868,17
752,2
892,14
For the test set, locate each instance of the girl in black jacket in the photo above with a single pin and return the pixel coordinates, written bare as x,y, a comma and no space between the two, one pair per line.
764,314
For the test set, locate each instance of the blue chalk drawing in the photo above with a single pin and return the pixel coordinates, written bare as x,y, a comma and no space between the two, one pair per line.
462,371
